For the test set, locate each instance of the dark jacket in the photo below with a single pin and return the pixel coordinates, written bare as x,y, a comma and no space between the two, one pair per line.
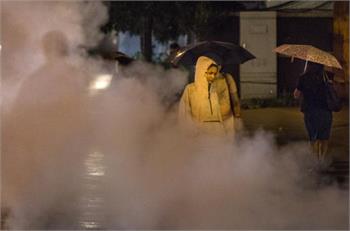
312,85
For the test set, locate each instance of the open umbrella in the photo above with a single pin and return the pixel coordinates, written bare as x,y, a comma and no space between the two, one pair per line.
308,53
228,53
111,54
120,57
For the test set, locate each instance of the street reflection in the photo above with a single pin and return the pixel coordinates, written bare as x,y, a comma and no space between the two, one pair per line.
92,202
94,164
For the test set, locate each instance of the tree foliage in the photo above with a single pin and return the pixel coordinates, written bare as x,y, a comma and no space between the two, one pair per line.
166,20
131,16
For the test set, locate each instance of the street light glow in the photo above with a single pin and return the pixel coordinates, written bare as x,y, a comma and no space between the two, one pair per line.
101,82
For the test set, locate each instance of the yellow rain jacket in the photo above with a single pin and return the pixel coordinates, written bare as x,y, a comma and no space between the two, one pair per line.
209,110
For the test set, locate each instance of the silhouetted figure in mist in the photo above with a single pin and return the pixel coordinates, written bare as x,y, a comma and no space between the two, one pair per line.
44,131
56,81
53,95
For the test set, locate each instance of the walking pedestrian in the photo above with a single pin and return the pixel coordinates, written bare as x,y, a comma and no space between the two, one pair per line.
211,102
311,89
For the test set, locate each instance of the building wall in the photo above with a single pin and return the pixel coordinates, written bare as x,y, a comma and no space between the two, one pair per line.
258,35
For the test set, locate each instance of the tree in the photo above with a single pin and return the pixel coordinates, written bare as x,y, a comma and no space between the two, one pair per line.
165,20
145,19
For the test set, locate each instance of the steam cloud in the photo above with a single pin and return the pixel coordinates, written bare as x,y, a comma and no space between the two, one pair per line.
118,159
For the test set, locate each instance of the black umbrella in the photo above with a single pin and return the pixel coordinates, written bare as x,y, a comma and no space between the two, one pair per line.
120,57
223,53
111,55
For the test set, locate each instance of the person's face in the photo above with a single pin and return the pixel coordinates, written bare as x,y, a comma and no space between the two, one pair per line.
211,73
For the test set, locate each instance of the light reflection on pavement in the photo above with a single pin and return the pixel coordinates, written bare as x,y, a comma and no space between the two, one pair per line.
92,202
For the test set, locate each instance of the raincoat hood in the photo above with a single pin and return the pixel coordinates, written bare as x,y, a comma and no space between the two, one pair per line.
202,65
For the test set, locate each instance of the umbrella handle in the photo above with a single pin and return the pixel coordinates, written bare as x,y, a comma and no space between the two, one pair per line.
325,77
305,66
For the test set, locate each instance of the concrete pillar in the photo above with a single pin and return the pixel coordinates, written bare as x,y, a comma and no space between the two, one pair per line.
341,46
258,77
341,35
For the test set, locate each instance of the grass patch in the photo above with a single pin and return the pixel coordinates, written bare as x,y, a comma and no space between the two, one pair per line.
283,101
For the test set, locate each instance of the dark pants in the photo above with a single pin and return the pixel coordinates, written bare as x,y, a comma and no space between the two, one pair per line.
318,123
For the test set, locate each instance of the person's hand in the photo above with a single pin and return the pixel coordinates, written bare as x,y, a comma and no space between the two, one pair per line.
296,93
238,124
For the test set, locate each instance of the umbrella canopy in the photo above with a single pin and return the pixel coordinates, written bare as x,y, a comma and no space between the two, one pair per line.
120,57
223,53
111,55
308,53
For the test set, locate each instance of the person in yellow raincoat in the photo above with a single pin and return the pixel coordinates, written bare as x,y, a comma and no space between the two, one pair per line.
210,104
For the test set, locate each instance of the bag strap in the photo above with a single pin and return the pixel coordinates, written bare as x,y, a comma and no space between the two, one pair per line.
225,76
229,93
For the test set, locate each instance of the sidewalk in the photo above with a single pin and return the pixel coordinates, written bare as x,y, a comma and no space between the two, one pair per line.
288,125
